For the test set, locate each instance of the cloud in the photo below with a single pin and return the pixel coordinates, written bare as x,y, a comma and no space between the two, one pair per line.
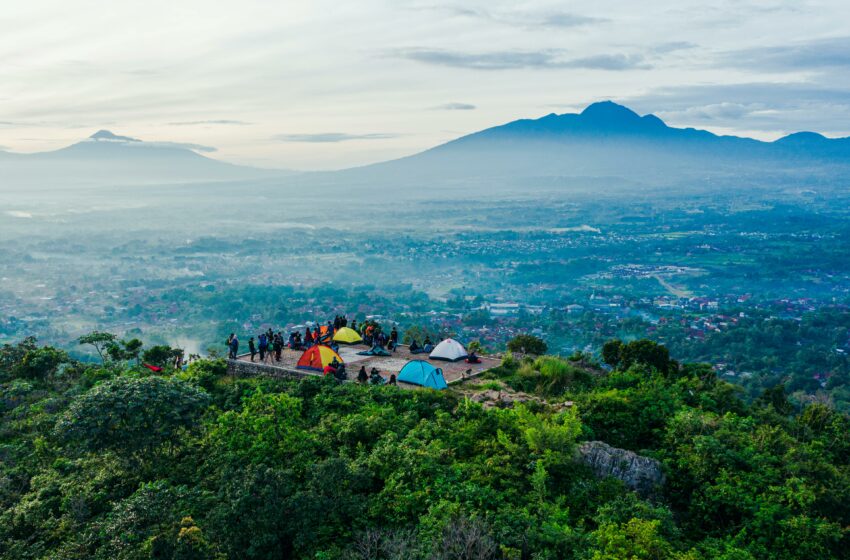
212,121
531,18
513,60
455,107
672,46
329,137
610,62
770,107
818,54
182,145
19,214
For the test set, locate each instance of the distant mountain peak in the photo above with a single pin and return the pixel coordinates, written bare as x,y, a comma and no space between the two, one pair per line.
108,136
609,111
803,138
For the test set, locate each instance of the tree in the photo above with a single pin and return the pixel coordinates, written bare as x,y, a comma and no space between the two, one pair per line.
611,352
161,355
419,333
527,344
42,362
125,350
101,342
132,417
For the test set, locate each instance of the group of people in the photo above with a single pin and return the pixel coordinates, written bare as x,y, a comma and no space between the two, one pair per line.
373,336
374,377
269,345
426,347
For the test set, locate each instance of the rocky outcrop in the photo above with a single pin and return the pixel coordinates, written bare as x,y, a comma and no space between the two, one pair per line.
507,398
641,474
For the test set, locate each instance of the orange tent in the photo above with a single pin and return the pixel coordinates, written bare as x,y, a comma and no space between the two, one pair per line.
317,357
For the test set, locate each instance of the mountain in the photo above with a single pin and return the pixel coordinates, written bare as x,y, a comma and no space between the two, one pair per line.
611,141
105,158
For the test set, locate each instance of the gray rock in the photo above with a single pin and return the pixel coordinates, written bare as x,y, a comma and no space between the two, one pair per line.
641,474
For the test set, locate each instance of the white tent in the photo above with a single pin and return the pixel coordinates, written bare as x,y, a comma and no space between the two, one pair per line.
450,350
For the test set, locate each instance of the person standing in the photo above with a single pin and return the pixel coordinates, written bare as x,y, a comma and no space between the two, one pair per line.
264,345
393,339
278,346
229,345
234,347
251,348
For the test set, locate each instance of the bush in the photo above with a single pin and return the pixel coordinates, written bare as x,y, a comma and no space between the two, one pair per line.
527,344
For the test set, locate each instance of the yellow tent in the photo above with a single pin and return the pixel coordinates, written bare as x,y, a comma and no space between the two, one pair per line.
317,357
346,335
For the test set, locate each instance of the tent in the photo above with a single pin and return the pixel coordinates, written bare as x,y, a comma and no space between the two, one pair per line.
420,372
450,350
347,335
317,357
375,351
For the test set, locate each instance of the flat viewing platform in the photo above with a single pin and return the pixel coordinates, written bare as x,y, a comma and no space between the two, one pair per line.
386,365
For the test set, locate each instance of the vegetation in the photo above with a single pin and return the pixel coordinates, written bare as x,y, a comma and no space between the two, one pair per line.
111,460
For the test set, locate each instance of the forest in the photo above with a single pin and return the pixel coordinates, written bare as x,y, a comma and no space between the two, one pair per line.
111,460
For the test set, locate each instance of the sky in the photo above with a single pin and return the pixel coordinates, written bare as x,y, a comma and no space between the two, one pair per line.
329,84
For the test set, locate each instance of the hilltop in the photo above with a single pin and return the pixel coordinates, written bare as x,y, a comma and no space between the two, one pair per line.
654,460
106,158
611,142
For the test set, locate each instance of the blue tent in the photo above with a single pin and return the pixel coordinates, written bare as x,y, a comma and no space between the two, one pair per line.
420,372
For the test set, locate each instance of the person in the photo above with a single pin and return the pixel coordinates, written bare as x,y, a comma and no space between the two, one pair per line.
264,345
414,347
229,345
392,380
234,347
354,325
428,344
376,379
334,347
332,368
278,346
393,339
362,376
308,337
337,323
343,321
473,358
252,348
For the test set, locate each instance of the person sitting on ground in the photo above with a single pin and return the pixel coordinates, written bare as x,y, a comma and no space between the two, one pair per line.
392,380
332,367
428,344
252,348
473,358
362,376
376,379
415,348
340,372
